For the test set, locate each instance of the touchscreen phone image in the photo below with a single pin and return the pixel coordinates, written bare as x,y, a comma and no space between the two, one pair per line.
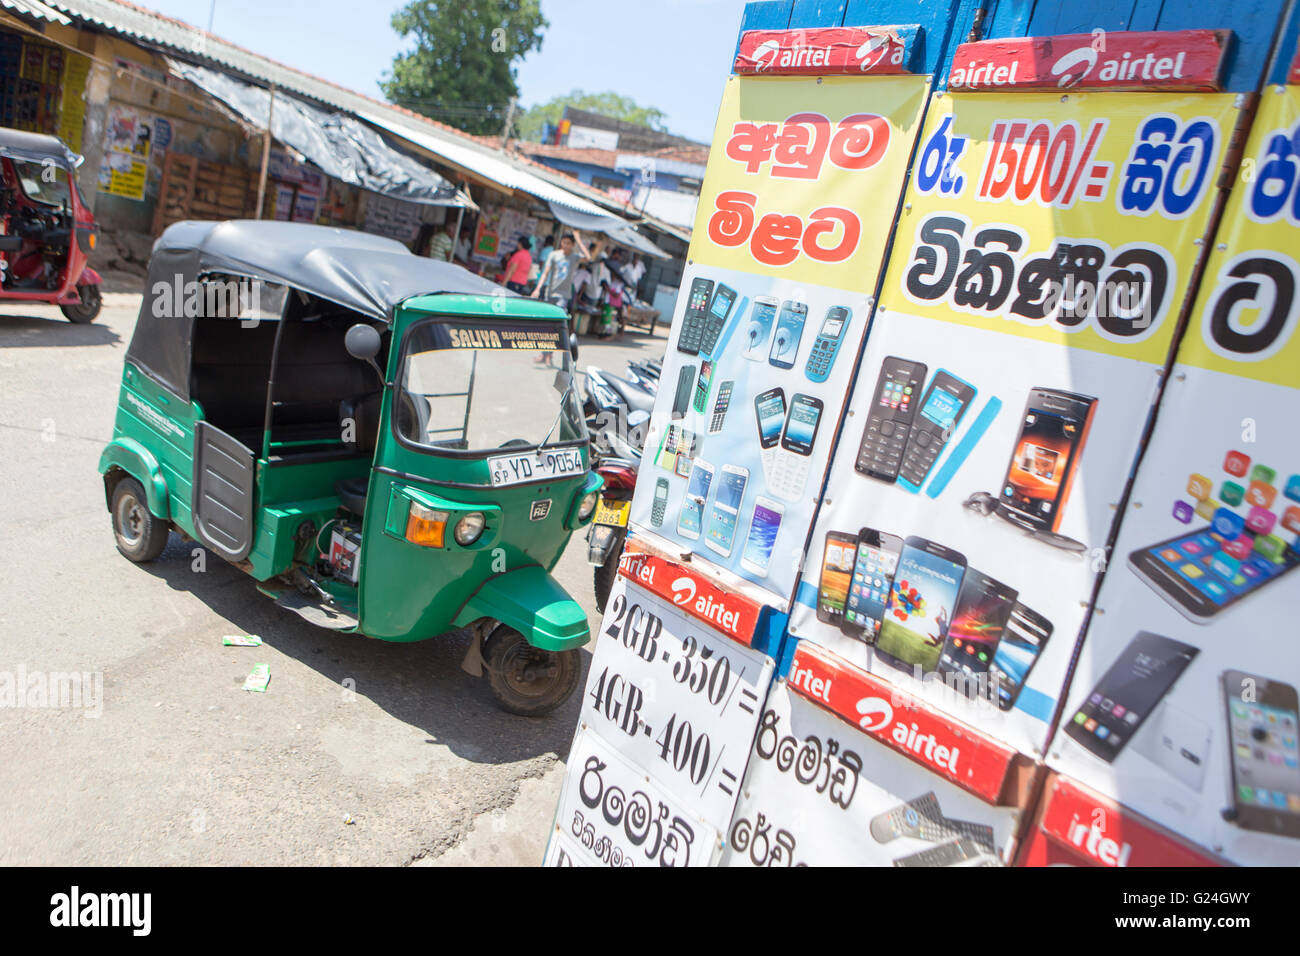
769,408
1128,692
1046,456
1263,721
1199,576
789,329
761,319
978,621
801,425
764,524
837,570
721,532
921,604
691,517
1023,639
874,564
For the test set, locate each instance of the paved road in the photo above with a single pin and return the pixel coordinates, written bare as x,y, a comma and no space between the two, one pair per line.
180,765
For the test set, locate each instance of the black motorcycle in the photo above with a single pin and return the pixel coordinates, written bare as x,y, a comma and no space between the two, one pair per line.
618,413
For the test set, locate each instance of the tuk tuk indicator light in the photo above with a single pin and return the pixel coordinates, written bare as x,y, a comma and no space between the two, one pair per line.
469,528
588,505
426,527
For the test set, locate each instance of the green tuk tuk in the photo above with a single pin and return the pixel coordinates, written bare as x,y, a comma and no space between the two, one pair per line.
389,445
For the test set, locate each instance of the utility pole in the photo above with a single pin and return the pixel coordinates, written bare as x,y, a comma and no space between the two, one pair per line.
510,121
266,153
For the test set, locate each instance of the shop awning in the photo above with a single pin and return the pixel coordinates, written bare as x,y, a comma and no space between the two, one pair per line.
619,230
482,162
338,144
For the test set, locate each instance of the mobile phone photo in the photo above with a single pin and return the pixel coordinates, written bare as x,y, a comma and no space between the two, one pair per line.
1137,680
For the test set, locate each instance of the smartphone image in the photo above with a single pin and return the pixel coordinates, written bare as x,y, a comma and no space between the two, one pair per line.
769,409
874,562
726,509
921,604
691,516
1023,640
979,619
789,330
837,571
1177,742
682,399
701,402
764,525
801,424
1262,726
660,506
695,316
724,297
1199,578
1046,456
942,408
761,318
1128,692
827,344
889,420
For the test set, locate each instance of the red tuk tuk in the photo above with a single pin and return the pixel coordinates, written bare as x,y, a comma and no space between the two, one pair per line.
46,231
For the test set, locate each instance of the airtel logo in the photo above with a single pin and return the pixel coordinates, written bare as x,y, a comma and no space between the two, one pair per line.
873,51
683,591
876,713
765,55
1084,56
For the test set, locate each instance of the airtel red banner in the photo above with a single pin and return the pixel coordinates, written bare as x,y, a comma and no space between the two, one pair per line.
687,588
1102,60
1293,77
951,749
831,50
1097,831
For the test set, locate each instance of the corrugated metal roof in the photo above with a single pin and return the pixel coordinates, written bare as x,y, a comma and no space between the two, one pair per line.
36,10
453,147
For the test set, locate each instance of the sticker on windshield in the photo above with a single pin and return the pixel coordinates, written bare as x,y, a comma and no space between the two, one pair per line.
502,337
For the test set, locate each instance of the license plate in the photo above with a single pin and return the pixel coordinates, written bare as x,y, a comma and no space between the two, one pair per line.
613,513
517,469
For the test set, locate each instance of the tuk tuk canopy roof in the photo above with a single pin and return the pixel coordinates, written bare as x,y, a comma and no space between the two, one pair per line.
36,148
368,274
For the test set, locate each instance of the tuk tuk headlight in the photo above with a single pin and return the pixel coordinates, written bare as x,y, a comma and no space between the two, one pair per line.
587,505
469,528
426,527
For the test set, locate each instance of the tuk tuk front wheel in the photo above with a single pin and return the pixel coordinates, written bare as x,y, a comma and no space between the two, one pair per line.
527,680
87,310
141,536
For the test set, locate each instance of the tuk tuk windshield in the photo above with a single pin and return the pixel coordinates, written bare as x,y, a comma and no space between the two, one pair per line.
43,182
478,388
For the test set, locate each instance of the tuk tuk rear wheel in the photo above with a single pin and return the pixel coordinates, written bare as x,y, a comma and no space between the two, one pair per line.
141,535
87,310
527,680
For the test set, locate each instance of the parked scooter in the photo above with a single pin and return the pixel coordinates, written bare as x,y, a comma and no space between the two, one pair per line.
619,416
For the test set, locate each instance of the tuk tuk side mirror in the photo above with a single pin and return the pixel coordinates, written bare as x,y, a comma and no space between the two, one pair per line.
363,342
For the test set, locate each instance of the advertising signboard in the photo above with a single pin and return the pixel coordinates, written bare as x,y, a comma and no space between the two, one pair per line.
1045,248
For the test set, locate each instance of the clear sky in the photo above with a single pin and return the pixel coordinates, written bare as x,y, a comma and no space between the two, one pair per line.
672,54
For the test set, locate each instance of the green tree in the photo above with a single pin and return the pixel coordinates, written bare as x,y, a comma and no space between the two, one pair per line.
612,105
462,68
